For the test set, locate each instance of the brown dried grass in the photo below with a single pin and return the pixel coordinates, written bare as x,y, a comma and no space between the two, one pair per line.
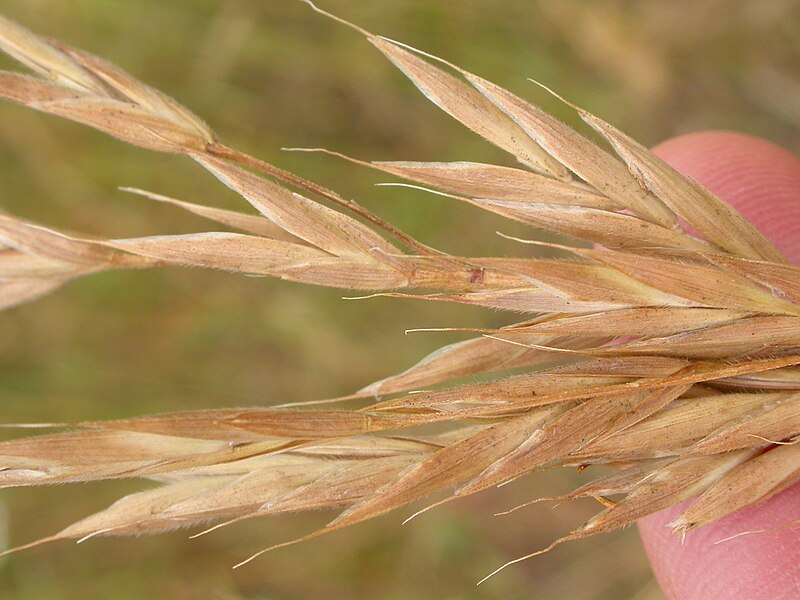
684,346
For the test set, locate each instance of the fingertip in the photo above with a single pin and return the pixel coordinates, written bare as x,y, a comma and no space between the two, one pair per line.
762,181
710,564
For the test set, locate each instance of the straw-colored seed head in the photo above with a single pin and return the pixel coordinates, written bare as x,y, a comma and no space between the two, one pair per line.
683,364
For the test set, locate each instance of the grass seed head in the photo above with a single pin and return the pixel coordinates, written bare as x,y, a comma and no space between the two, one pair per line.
699,397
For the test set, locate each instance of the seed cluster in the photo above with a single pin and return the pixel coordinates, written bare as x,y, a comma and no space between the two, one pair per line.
683,343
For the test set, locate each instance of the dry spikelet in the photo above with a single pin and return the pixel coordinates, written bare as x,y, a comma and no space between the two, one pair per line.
699,397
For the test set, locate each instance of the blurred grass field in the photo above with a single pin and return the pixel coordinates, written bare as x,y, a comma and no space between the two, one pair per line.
269,74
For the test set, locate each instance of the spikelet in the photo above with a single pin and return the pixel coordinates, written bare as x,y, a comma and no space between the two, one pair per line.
683,364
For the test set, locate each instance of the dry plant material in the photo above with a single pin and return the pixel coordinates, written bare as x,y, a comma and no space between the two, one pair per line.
683,349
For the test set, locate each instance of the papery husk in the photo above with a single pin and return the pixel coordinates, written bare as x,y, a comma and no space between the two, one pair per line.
681,348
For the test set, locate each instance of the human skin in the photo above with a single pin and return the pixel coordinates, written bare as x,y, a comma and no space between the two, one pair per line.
763,182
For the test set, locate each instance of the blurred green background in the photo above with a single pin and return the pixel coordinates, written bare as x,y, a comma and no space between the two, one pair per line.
268,74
